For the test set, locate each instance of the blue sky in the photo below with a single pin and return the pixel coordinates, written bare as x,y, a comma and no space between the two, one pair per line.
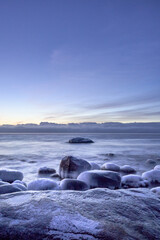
79,60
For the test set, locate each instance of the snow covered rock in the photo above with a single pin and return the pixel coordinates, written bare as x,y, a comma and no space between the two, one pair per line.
157,167
127,169
156,190
101,179
46,170
80,140
43,184
133,181
71,167
9,175
95,214
9,188
94,166
152,176
73,184
110,167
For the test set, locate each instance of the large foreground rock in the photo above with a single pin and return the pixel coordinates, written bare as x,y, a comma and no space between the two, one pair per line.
66,215
71,167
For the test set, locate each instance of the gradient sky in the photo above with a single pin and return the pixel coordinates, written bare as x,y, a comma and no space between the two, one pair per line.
79,60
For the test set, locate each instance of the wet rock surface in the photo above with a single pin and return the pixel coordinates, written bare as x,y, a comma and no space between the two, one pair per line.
67,215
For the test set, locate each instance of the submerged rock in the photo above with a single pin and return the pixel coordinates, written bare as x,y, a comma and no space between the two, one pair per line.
110,167
46,170
71,167
101,179
133,181
43,184
9,175
80,140
99,214
73,184
127,169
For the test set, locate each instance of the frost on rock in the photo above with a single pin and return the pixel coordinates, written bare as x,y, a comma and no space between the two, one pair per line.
127,169
152,176
9,175
133,181
157,167
156,190
101,179
43,184
110,167
80,140
73,184
71,167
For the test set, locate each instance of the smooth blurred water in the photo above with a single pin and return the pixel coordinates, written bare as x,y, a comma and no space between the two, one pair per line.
29,152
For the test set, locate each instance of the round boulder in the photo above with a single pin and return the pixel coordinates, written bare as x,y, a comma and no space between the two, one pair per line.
152,176
133,181
101,179
43,184
150,161
9,175
110,167
71,167
73,184
127,169
80,140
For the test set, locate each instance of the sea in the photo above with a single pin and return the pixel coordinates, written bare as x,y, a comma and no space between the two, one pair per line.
29,152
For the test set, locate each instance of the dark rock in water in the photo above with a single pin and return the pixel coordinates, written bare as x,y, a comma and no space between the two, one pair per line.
80,140
99,214
73,184
150,161
9,175
46,170
71,167
127,169
101,179
8,188
110,167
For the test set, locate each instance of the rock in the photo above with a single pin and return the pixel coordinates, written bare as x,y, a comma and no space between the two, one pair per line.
80,140
9,188
71,167
98,214
156,190
20,186
127,169
110,167
2,183
150,161
157,167
21,182
101,179
133,181
94,166
46,170
55,175
43,184
73,184
9,175
152,176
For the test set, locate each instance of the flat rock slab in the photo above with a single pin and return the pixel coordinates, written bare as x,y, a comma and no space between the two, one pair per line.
94,214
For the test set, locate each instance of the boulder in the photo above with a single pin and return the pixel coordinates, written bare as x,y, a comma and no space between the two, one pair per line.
9,175
110,167
101,179
43,184
9,188
21,182
133,181
150,161
98,214
80,140
20,186
71,167
73,184
127,169
152,176
46,170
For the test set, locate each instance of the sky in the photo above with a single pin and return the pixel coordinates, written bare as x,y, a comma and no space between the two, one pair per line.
79,61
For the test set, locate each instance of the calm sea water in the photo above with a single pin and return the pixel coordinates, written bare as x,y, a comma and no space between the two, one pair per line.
29,152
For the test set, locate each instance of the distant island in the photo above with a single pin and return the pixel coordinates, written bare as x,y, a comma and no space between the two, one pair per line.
84,127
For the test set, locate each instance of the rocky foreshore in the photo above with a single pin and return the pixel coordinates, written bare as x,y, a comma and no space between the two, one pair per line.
89,215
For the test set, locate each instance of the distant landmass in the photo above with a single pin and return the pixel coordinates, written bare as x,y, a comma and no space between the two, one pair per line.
84,127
